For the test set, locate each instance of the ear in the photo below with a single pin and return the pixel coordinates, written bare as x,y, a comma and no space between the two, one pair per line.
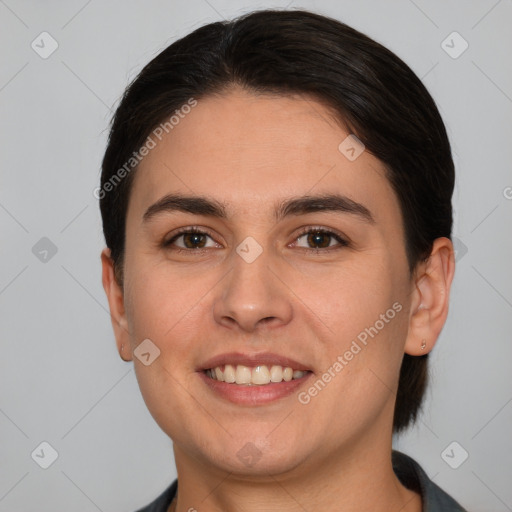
431,294
115,298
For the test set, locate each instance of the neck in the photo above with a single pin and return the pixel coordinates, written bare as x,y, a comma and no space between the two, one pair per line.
359,478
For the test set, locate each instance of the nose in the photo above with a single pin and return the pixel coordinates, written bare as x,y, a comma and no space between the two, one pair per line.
252,295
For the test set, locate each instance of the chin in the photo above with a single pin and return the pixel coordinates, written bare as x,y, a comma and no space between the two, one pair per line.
257,457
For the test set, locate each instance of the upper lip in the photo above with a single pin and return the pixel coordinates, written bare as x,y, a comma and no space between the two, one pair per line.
266,358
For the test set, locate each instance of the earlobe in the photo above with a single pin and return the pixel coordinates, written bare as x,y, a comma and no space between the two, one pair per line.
430,298
115,298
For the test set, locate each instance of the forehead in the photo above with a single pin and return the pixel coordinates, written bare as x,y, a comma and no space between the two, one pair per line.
249,151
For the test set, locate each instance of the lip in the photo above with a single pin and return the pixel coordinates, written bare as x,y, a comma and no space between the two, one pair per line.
266,358
257,394
253,395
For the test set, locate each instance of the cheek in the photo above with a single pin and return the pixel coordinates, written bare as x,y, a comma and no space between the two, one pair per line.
348,298
168,399
360,316
167,311
162,302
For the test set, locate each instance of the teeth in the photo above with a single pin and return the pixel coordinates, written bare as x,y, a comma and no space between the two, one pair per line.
219,375
276,374
260,375
229,374
257,376
243,374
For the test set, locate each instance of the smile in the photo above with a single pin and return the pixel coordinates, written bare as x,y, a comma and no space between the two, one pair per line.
258,375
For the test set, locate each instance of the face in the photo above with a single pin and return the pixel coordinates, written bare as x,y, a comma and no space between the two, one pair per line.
320,285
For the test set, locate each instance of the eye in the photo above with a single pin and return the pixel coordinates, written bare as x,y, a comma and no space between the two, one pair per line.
322,238
195,239
192,238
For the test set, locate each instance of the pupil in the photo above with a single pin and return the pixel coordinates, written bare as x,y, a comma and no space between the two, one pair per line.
316,239
195,237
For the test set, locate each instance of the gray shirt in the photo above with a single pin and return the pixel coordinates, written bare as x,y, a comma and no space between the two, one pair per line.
408,471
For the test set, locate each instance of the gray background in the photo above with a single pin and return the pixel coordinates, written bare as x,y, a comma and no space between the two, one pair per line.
61,379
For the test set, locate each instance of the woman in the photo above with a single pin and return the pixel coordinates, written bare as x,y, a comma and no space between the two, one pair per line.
276,203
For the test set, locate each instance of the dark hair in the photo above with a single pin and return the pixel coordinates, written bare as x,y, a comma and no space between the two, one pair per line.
370,89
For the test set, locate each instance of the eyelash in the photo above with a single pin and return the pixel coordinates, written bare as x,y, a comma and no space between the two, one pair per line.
310,229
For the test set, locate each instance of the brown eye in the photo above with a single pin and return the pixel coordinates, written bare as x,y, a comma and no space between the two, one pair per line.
193,240
321,239
189,239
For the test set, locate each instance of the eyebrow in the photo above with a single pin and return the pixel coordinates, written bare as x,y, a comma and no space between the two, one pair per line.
200,205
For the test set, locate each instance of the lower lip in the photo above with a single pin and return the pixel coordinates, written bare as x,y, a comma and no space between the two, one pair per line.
255,394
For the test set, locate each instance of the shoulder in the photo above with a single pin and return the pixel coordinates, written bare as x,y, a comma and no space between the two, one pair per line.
412,476
161,504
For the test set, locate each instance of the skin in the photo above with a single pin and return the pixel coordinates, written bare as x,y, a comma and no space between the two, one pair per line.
249,151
